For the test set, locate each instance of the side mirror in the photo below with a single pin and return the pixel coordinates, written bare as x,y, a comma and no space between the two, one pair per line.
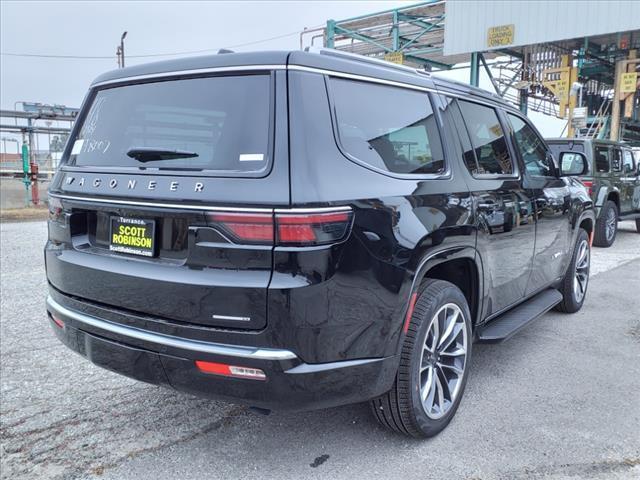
573,164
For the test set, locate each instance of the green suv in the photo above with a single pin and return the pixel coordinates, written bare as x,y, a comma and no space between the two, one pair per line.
613,182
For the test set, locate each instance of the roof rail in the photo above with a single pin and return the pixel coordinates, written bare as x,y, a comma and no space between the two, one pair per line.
361,58
224,50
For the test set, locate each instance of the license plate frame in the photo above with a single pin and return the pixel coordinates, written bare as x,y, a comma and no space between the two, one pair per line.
137,237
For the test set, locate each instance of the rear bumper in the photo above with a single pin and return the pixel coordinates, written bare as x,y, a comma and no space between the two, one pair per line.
169,360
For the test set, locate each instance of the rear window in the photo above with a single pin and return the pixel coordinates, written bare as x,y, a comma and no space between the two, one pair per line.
389,128
216,124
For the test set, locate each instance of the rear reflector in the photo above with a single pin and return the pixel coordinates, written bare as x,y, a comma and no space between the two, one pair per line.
57,321
284,228
589,185
230,370
55,208
412,306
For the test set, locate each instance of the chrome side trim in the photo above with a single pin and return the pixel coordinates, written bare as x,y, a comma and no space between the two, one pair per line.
160,205
197,71
207,208
232,318
351,76
269,354
313,210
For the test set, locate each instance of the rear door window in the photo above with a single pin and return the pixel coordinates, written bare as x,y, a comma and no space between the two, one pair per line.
219,124
616,160
601,159
389,128
488,139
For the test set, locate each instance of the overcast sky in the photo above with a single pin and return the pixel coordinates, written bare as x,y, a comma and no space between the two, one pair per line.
76,28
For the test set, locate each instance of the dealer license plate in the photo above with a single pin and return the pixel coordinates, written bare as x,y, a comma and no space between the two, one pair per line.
132,235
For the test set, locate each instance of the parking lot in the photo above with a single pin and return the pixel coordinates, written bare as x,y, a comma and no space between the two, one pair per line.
561,400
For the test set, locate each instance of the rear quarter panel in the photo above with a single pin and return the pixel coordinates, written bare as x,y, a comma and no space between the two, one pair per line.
355,294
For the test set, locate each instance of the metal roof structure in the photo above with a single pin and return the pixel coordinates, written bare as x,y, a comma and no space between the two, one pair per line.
540,50
416,31
535,21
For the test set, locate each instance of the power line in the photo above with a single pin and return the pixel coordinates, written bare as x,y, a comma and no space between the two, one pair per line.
148,55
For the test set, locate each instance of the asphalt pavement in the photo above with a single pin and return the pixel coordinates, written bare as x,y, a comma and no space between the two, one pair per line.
561,400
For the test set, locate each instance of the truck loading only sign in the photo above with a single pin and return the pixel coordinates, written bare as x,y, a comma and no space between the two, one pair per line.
500,36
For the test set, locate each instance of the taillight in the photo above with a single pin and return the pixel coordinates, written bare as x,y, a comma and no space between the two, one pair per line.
286,227
312,228
55,208
589,185
245,227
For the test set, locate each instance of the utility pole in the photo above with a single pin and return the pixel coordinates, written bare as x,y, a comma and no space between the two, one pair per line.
120,51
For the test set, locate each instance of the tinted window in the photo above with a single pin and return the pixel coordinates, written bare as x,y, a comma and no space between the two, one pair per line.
616,161
223,120
487,138
601,159
389,128
532,149
468,154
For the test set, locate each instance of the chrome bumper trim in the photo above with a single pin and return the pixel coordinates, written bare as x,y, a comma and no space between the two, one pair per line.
269,354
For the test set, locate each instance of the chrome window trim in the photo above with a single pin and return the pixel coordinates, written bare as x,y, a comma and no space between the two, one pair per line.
364,78
239,351
207,208
180,73
476,99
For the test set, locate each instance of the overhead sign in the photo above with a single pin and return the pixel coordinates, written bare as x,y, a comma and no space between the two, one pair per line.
558,81
628,82
559,86
500,36
579,118
394,57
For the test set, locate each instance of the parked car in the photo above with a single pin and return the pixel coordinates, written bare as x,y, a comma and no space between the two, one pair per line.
613,180
296,230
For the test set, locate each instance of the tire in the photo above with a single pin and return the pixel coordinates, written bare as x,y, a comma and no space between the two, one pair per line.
638,225
401,409
574,290
606,225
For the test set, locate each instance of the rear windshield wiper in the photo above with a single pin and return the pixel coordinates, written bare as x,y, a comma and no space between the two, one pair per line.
150,154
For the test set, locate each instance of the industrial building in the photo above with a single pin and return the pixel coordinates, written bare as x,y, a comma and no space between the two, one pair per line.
575,60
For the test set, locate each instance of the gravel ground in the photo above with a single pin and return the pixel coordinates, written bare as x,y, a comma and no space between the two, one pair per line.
561,400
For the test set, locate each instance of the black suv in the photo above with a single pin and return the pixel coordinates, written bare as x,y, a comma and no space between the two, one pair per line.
296,230
613,180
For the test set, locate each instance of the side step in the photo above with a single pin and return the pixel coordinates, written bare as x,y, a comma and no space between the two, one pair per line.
512,321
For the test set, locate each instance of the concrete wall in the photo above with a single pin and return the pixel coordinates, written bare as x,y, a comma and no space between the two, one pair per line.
13,193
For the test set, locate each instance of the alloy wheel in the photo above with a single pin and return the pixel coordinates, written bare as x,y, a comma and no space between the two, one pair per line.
581,277
443,361
610,224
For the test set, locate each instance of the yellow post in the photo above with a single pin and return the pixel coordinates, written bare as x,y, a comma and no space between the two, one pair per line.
615,106
628,97
573,77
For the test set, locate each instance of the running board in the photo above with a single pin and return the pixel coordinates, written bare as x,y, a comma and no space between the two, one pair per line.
512,321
